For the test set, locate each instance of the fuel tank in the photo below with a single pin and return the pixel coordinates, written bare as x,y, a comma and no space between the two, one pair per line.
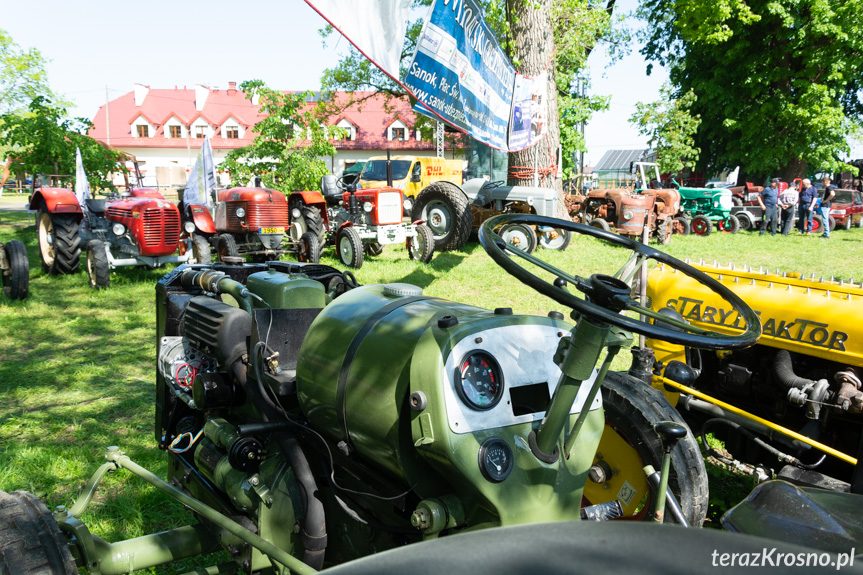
811,316
152,221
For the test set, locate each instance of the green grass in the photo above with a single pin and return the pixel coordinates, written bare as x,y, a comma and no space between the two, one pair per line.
77,366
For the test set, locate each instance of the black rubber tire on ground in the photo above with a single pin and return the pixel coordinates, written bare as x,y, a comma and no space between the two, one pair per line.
422,246
860,221
664,230
30,539
443,206
16,280
632,408
201,250
227,246
309,250
847,225
701,225
519,236
745,223
314,222
682,226
63,255
373,249
98,268
554,239
601,224
832,223
349,247
730,224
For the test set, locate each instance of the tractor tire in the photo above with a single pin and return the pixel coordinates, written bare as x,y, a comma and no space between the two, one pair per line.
59,243
682,226
30,539
701,225
519,236
373,249
729,225
349,247
422,246
309,250
631,410
201,251
314,222
554,239
817,226
664,231
445,209
736,201
601,224
16,280
227,247
98,268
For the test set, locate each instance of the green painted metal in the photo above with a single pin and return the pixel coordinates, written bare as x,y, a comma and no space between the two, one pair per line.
283,291
713,203
156,549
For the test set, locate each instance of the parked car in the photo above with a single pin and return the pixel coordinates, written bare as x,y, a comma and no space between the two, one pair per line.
847,208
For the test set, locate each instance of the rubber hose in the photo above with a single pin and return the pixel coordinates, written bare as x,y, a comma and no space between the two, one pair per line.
757,440
314,525
784,371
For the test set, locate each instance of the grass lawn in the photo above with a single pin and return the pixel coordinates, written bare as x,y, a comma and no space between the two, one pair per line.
77,366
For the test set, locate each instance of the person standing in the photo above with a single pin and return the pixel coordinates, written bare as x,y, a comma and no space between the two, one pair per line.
806,206
826,203
767,199
787,203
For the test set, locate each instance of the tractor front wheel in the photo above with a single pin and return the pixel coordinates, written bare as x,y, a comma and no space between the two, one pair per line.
601,224
227,247
30,539
554,238
729,224
701,225
519,236
16,279
310,249
629,443
98,268
350,247
59,243
422,246
682,226
664,231
201,251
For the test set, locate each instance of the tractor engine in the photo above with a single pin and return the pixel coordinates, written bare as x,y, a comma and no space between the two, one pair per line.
142,224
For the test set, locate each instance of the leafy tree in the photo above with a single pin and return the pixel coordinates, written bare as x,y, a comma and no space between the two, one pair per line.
22,76
779,80
44,140
671,129
289,143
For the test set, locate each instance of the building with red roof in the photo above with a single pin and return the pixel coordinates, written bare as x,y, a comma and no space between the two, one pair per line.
165,128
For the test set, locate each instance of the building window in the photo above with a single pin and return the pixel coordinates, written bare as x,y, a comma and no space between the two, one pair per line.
176,131
201,132
143,131
232,132
399,134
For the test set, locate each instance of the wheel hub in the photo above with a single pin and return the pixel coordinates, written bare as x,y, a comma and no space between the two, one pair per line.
438,220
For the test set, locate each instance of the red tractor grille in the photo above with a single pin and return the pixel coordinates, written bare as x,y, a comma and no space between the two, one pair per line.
115,212
161,227
267,215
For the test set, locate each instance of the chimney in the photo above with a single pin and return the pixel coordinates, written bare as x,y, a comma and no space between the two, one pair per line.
141,92
201,93
232,88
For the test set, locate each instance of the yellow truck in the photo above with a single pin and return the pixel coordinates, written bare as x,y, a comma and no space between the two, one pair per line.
411,174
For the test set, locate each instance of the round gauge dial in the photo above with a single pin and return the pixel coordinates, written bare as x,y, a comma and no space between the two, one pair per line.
480,383
495,459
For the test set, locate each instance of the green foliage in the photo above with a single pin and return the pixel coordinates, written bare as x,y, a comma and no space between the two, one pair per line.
289,143
44,141
22,76
779,80
671,127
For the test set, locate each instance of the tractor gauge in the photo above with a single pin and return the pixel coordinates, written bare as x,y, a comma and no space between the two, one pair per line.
495,459
478,381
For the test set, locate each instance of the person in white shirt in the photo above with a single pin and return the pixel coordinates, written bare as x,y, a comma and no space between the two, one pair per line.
787,206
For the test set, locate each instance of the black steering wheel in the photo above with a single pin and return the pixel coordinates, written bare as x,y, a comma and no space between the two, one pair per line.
607,296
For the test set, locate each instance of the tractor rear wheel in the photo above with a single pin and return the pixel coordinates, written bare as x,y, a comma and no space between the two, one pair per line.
701,225
601,224
682,226
16,279
349,247
444,208
310,249
729,224
629,443
227,246
59,243
422,246
30,539
98,268
519,236
201,251
314,222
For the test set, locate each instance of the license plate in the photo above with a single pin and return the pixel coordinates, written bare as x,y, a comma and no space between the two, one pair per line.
272,230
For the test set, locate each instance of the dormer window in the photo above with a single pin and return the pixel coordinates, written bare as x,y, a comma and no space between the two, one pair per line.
201,132
398,134
349,128
232,132
175,131
397,131
143,131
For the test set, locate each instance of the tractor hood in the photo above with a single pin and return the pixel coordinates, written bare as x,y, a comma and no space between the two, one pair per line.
153,224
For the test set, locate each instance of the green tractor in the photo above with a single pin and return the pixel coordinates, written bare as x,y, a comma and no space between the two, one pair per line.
312,422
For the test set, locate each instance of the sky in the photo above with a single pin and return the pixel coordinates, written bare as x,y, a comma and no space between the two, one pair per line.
99,49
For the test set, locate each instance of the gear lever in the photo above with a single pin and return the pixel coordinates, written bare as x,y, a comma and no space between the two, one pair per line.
669,434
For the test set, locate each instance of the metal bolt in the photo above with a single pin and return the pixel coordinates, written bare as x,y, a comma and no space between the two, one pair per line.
599,456
254,481
606,486
421,519
478,340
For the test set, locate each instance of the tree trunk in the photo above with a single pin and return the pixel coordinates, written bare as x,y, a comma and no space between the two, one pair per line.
533,38
794,169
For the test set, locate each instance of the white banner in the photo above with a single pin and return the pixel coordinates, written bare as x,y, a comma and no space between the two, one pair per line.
202,179
82,186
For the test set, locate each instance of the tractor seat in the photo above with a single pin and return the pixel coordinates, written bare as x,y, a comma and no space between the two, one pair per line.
330,189
95,206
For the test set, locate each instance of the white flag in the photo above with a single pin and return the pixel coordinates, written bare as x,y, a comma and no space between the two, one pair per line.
375,27
82,186
202,179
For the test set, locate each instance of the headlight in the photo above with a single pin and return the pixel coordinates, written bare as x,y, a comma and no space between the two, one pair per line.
295,213
189,227
715,204
408,203
838,212
627,215
368,207
240,212
118,229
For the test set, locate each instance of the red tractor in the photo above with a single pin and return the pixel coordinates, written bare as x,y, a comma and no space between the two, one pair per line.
134,228
250,221
358,222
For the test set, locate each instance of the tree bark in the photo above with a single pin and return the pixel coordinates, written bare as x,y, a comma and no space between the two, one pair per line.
533,39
